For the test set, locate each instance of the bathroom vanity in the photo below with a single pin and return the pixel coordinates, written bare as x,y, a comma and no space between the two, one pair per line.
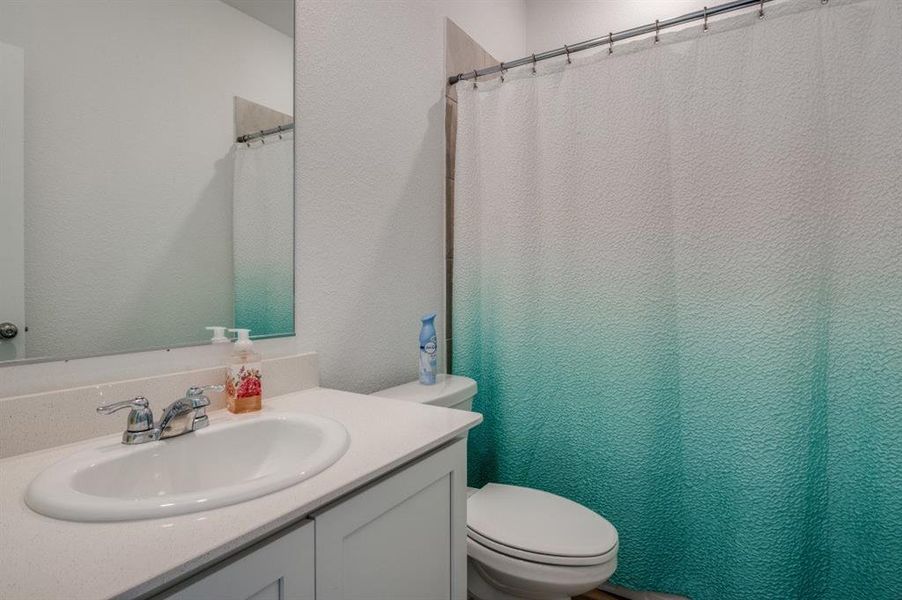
387,520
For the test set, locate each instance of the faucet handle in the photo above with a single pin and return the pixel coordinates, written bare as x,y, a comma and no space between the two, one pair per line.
195,395
139,419
135,403
198,390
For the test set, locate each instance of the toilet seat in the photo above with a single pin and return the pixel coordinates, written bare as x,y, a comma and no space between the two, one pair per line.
539,527
538,558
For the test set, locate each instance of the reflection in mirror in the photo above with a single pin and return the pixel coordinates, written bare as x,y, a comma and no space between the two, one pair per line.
140,201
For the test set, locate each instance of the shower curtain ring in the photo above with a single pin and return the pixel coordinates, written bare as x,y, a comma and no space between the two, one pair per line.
611,43
761,10
475,77
657,31
705,28
567,50
533,64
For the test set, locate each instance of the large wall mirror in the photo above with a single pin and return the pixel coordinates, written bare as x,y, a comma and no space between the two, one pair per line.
146,173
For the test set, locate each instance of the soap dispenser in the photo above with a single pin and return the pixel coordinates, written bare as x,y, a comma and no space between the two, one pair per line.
244,379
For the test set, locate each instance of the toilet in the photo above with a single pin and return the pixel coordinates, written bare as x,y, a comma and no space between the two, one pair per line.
522,543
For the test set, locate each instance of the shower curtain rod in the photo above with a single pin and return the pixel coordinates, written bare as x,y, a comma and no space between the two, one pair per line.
241,139
618,36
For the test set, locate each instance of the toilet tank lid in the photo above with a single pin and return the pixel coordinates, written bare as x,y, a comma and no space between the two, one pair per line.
448,390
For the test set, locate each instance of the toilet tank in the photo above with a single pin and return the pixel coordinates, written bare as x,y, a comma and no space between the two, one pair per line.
452,391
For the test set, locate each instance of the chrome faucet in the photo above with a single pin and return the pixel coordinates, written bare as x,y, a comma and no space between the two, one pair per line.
182,416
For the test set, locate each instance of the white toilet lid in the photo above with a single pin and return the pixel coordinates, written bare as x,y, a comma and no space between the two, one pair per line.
538,526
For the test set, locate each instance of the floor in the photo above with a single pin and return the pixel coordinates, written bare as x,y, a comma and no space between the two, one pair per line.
596,595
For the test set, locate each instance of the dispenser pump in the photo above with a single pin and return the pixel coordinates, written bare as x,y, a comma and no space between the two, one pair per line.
244,341
219,336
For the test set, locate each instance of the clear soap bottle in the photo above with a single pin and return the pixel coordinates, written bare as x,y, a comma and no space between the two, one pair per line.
244,377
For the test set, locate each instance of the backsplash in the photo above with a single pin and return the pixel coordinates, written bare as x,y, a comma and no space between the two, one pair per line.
44,420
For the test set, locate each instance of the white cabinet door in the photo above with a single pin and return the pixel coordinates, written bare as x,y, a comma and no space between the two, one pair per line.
402,538
279,569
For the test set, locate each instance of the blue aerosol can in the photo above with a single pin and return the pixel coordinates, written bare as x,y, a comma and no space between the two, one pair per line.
428,350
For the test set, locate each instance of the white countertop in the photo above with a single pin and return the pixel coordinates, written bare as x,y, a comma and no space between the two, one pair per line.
48,559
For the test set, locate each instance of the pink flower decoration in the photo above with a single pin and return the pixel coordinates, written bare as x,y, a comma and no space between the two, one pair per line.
250,386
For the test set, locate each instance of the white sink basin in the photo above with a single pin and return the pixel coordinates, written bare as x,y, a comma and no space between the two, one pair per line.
228,462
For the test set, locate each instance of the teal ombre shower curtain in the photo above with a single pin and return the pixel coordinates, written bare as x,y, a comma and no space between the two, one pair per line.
262,236
678,283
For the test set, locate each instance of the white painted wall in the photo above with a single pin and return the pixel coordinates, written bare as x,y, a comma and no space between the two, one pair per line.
498,25
553,23
370,193
370,177
128,128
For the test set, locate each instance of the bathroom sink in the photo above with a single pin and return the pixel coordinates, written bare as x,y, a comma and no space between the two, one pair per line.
228,462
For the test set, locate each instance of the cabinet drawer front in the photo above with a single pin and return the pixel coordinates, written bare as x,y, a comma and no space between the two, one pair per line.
279,569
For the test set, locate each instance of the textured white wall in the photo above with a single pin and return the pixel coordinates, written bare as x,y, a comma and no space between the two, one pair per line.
498,25
129,124
370,178
553,23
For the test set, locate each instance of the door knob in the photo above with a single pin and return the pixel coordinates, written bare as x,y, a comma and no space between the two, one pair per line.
8,331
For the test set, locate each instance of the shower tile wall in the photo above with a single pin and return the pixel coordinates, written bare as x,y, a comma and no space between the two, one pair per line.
462,55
